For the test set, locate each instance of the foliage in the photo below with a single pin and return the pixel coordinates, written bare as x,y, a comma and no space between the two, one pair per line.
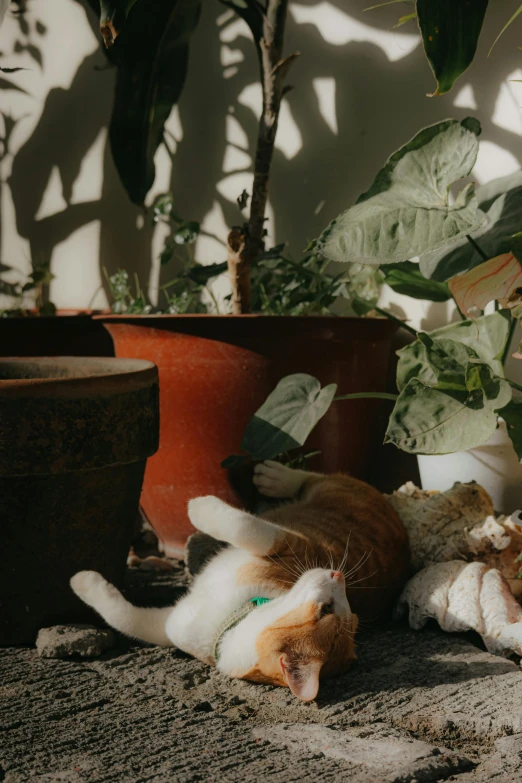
450,31
496,279
36,287
451,381
501,201
181,297
406,278
282,286
151,55
285,419
407,211
181,232
449,396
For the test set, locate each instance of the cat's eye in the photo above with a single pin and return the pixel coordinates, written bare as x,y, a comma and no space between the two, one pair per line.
327,609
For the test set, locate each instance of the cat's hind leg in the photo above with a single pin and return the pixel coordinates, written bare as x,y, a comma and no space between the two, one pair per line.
232,525
279,481
137,622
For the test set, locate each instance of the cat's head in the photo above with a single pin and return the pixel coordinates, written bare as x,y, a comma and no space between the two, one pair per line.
312,636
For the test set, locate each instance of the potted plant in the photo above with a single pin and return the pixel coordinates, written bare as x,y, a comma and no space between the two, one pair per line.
216,369
451,381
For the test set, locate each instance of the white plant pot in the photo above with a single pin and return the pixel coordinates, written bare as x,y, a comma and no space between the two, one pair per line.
494,465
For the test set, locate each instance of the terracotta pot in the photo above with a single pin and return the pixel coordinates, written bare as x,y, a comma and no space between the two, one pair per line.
74,438
68,333
215,371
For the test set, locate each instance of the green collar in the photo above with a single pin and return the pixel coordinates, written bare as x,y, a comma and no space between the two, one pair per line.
234,619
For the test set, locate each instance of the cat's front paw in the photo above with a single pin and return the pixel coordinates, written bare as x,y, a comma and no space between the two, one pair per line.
276,480
90,586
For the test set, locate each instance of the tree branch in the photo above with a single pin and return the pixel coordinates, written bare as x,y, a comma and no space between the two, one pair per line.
246,245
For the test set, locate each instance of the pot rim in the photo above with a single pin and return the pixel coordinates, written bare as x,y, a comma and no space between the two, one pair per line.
247,316
136,369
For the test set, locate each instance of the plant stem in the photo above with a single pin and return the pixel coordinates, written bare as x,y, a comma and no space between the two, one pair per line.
367,395
512,328
477,247
397,320
246,243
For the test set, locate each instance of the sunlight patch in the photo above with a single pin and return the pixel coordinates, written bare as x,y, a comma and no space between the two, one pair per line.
325,90
339,29
465,98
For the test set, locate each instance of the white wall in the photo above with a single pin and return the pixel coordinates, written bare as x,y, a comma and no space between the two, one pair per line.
359,93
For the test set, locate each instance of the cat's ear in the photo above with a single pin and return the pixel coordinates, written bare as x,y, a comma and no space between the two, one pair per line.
301,678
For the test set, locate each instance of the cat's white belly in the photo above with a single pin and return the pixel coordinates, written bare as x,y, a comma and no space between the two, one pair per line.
215,594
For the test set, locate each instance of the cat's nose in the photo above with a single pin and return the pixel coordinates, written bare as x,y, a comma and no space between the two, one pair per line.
337,576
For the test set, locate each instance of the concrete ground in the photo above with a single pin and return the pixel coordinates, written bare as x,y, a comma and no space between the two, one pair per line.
419,707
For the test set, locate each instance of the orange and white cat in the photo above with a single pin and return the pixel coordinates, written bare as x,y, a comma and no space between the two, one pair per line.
335,551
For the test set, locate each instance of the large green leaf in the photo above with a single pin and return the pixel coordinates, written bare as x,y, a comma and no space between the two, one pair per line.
406,278
501,200
428,420
151,54
486,336
450,31
512,415
407,210
286,418
483,339
440,363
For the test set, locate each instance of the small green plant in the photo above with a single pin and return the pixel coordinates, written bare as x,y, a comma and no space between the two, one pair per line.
280,284
29,297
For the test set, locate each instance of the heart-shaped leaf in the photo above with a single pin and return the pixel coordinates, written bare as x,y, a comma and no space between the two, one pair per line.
286,418
439,363
486,337
501,200
407,210
495,279
428,420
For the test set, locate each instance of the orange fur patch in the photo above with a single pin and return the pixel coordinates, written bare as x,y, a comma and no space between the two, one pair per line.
337,518
303,636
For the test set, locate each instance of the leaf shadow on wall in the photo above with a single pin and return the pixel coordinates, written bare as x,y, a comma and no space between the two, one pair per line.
379,104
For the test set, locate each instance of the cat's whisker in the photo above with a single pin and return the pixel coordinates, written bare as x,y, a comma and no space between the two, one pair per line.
363,578
342,564
298,561
361,562
285,566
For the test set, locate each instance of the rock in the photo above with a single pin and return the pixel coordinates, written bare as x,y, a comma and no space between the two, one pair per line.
64,641
392,759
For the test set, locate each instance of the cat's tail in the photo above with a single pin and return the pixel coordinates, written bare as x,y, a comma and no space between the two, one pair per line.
140,623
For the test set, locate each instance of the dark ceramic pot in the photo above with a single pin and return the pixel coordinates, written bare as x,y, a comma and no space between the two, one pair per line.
75,435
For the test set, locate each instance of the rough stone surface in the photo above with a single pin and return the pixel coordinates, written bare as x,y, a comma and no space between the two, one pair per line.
395,760
66,641
141,713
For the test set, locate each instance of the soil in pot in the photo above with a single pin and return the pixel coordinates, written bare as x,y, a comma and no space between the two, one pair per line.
75,435
215,371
